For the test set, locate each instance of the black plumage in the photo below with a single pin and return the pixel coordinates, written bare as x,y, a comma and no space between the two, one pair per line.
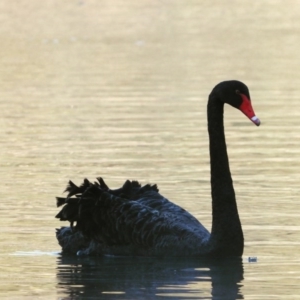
138,220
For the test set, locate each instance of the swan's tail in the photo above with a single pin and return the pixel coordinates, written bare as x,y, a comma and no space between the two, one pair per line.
89,204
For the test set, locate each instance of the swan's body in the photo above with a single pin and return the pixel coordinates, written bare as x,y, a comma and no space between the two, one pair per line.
136,220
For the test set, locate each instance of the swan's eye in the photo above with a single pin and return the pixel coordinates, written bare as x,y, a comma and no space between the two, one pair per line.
237,92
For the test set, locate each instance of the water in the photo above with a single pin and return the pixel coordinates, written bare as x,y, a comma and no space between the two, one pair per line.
142,278
119,90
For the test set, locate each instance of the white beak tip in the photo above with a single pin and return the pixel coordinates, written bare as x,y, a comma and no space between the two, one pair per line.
255,120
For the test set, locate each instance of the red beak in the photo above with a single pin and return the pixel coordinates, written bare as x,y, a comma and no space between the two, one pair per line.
246,108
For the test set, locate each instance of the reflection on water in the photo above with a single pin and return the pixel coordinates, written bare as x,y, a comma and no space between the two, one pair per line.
149,278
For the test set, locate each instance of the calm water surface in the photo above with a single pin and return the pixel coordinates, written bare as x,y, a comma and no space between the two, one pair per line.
119,90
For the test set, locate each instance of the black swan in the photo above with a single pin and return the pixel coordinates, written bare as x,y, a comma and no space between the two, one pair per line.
137,220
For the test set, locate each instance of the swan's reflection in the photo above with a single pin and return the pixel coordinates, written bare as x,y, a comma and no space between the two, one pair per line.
149,278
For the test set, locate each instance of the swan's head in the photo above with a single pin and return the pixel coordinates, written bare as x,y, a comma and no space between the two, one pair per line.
237,95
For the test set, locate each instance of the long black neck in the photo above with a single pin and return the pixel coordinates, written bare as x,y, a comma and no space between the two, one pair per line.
226,234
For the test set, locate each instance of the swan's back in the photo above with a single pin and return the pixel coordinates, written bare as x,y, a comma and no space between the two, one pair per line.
132,220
